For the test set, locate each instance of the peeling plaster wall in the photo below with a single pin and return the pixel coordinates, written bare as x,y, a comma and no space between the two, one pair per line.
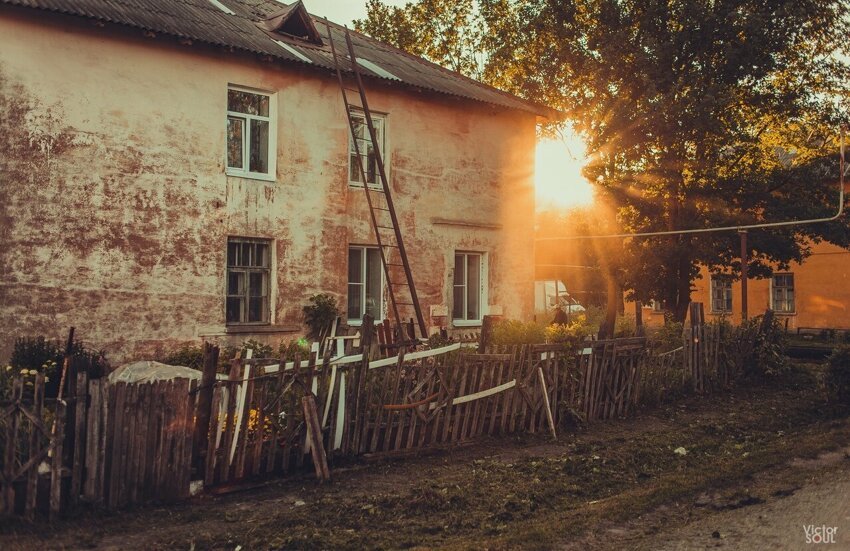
115,208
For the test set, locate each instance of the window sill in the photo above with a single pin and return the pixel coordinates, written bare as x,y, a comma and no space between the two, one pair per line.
250,175
358,323
372,187
247,330
466,323
784,313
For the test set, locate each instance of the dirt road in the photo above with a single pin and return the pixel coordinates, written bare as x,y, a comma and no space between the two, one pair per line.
780,523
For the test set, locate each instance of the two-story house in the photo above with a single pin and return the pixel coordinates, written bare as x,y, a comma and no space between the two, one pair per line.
172,170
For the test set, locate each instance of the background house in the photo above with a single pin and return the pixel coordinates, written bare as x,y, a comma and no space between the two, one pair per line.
171,169
808,295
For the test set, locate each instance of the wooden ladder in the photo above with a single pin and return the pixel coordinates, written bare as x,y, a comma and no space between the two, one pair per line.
382,214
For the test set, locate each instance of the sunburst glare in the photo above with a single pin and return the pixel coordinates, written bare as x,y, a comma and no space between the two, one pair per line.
558,180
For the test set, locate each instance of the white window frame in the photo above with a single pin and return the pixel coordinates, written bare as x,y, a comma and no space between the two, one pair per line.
793,288
657,306
726,279
269,271
382,148
246,135
482,290
383,313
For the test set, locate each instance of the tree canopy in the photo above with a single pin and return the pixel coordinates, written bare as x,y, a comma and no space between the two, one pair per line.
697,113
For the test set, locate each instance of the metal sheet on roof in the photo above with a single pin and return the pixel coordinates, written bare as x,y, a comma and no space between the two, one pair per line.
202,21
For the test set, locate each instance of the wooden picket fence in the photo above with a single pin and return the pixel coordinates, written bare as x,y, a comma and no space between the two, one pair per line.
387,406
611,376
135,443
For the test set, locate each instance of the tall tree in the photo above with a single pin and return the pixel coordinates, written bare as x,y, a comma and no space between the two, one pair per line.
697,113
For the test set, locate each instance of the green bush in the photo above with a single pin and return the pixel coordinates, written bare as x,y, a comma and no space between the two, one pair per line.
260,350
624,327
594,316
31,355
289,349
188,355
570,333
320,314
837,377
666,337
438,341
762,346
510,332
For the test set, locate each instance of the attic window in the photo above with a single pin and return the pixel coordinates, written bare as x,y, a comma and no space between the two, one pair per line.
380,71
292,21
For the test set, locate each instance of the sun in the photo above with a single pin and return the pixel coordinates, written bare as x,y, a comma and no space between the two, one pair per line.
558,181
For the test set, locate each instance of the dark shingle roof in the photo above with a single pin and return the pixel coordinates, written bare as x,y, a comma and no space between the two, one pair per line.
203,21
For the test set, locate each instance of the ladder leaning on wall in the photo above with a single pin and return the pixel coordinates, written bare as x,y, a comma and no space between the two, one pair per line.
396,265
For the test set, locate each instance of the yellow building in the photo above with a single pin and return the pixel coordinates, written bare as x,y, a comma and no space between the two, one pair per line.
814,294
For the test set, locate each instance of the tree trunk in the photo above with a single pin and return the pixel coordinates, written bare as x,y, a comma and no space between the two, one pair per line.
683,281
615,298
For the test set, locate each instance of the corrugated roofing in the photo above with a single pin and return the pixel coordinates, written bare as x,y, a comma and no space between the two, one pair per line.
202,21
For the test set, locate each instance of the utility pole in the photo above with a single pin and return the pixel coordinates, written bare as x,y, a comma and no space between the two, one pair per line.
744,266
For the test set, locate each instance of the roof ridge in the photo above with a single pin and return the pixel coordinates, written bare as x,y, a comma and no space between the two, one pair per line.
236,30
395,49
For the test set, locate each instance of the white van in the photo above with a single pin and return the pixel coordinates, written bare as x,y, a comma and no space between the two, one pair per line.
550,293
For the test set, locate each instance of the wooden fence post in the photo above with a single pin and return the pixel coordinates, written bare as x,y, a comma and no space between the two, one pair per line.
639,329
486,333
367,330
56,442
78,455
314,436
200,446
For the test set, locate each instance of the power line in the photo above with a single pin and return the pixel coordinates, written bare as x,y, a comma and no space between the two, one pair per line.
725,228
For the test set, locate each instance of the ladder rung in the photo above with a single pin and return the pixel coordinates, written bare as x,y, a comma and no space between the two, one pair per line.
399,283
392,264
404,304
393,246
386,227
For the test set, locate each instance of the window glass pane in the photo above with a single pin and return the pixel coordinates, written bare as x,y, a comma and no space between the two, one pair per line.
235,282
374,296
460,274
233,254
355,268
473,288
235,137
234,309
371,164
457,303
353,169
256,309
360,131
256,284
354,301
259,144
246,102
247,254
261,258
